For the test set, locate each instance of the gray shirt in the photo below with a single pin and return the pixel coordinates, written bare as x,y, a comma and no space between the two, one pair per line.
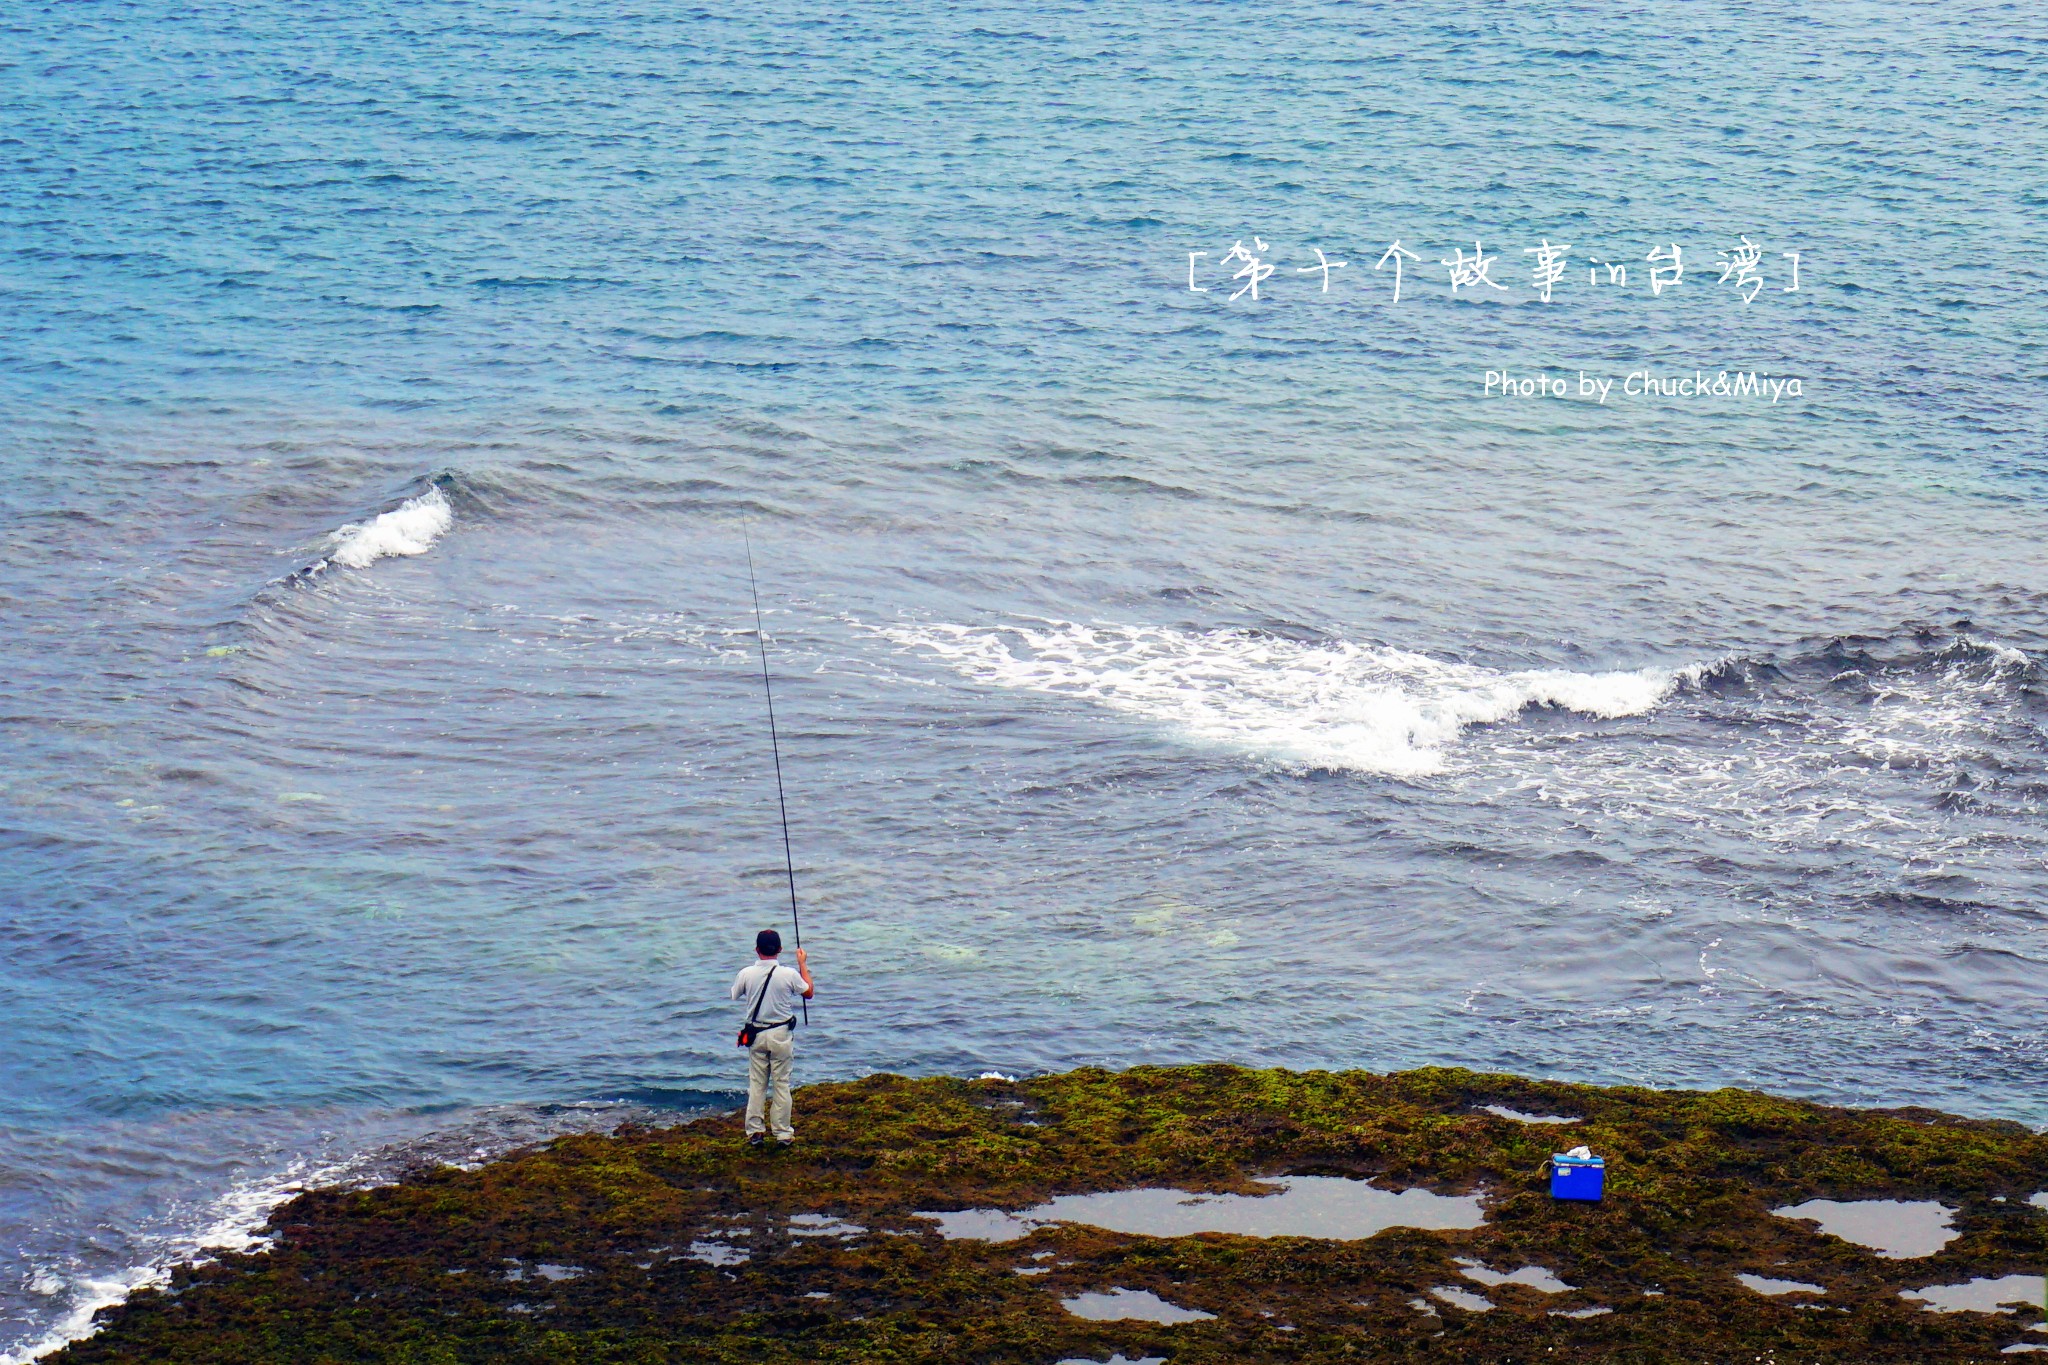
784,990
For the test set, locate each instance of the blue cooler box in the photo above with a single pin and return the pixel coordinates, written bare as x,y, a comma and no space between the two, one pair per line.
1577,1177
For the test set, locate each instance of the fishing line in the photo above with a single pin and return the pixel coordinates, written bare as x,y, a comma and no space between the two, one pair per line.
774,747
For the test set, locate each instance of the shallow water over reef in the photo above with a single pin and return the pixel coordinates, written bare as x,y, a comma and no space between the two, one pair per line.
1304,1206
1766,1284
1985,1294
1134,1304
1896,1228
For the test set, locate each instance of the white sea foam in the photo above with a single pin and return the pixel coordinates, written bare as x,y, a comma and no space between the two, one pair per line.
411,528
1816,765
234,1220
88,1297
1319,705
230,1223
2008,657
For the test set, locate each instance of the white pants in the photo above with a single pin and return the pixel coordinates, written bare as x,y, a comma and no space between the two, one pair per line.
768,1079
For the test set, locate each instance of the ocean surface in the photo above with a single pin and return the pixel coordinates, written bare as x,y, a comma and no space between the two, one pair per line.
390,391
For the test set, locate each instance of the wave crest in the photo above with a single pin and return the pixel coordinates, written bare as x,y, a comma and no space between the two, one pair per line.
411,528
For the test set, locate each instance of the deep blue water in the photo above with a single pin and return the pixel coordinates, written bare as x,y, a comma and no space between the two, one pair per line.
1164,676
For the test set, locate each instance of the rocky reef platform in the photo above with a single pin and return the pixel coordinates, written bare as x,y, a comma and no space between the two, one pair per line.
1340,1217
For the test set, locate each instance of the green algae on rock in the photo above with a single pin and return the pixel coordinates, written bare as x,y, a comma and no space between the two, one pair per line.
683,1245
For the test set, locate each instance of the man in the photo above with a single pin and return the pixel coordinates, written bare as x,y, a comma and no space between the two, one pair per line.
771,991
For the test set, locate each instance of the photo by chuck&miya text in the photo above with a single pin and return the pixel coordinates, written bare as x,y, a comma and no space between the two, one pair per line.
1693,386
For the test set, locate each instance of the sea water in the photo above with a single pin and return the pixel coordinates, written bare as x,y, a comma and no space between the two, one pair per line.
1163,676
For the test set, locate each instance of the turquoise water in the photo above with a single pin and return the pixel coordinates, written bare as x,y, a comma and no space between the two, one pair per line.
1164,675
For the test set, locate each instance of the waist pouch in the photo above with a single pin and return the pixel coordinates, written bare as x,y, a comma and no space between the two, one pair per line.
750,1031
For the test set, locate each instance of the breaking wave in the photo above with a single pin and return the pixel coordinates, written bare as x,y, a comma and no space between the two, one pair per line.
1919,748
1306,705
237,1221
233,1223
411,528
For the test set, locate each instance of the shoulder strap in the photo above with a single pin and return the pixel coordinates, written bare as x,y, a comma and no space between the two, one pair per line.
754,1014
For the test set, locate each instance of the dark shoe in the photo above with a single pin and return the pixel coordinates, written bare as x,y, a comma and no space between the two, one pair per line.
757,1139
785,1143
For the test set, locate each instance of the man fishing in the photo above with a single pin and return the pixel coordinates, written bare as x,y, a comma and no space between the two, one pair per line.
769,1034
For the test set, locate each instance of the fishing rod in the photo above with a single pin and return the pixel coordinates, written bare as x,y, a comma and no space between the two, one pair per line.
774,747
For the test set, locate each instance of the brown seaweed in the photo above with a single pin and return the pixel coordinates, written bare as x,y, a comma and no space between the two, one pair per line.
677,1244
